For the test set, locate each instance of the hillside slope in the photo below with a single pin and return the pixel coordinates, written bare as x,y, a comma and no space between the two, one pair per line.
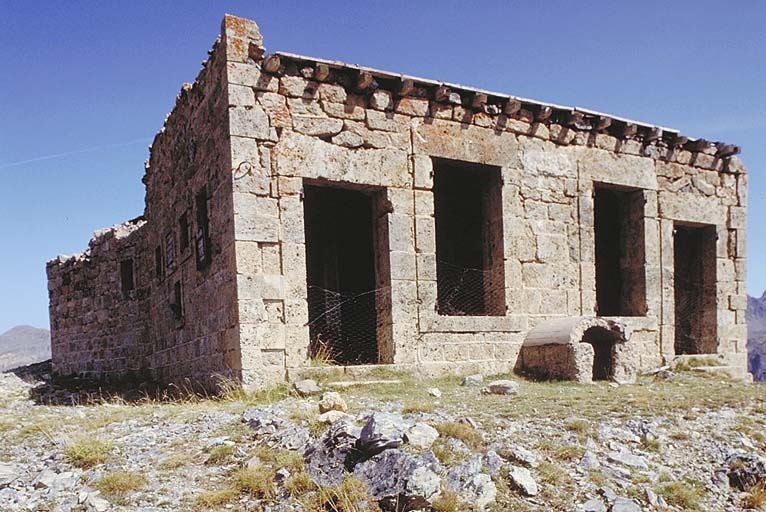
23,345
756,336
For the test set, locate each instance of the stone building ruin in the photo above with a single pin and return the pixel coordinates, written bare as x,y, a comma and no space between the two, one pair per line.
301,209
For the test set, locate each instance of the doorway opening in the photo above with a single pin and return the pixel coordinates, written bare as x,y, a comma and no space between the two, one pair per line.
344,298
603,342
620,251
694,264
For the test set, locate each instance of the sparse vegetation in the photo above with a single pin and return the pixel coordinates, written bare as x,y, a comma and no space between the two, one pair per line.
215,499
258,482
118,484
219,454
87,452
756,497
448,501
460,431
350,496
685,494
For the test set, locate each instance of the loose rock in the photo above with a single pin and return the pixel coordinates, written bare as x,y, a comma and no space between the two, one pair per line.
522,479
501,387
306,387
473,380
332,401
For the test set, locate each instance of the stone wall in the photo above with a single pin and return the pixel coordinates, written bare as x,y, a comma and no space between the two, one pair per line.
311,121
183,322
98,325
254,128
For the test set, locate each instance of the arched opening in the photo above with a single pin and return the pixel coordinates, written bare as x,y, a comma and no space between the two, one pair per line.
603,342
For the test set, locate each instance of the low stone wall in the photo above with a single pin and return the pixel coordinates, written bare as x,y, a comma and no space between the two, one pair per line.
99,328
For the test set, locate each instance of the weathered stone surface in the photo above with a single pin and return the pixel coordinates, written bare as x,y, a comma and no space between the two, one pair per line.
421,435
332,401
501,387
306,387
226,296
473,380
522,479
397,473
317,126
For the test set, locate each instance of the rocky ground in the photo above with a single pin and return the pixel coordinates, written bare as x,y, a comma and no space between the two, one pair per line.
669,442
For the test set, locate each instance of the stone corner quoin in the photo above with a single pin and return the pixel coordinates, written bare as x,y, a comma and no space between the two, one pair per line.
300,208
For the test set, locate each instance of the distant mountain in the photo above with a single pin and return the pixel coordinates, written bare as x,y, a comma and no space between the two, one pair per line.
756,336
23,345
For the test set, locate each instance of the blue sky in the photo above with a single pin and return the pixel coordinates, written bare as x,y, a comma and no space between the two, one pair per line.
92,82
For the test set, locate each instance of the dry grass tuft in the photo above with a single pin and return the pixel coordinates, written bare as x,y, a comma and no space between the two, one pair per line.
350,496
258,482
219,455
686,495
215,499
87,452
756,497
117,485
448,501
460,431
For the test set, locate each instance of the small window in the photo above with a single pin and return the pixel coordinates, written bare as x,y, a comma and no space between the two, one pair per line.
202,236
178,303
158,267
170,251
183,231
126,278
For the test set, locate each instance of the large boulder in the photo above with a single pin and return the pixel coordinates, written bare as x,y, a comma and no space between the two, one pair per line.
471,484
326,458
396,473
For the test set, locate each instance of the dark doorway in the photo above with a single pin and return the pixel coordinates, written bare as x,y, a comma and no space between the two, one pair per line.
603,342
620,252
340,261
469,239
695,289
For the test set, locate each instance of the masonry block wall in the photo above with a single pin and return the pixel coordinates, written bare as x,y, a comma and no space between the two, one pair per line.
580,214
99,306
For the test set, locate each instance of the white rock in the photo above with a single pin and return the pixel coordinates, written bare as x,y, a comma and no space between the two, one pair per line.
421,435
332,401
8,473
474,381
522,479
330,417
306,387
435,392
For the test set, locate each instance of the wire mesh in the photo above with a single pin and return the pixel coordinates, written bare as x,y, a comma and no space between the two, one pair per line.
469,291
344,326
